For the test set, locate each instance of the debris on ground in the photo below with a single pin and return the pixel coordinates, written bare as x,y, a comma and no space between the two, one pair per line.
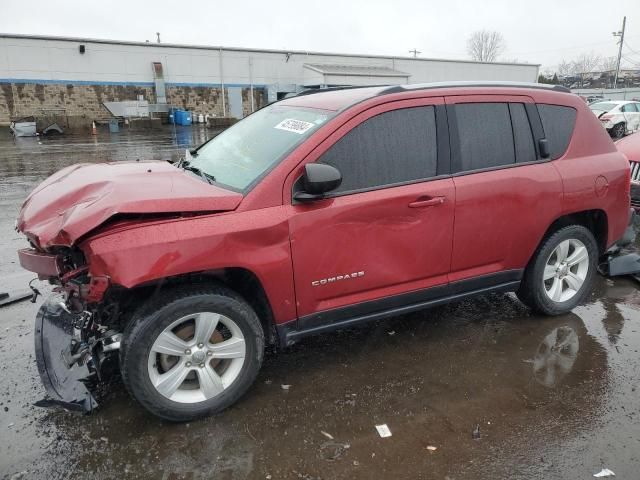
6,298
431,448
328,435
605,472
476,432
391,333
332,451
285,387
383,430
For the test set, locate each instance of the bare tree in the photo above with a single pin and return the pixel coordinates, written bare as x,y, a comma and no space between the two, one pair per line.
564,68
485,46
608,64
585,63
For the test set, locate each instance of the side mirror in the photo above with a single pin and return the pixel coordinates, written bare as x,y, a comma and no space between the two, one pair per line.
543,146
318,179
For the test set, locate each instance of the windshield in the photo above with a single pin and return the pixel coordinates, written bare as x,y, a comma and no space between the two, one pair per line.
603,106
242,153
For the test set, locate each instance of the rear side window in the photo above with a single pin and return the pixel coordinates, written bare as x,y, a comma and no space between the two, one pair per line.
523,139
486,135
629,108
394,147
558,123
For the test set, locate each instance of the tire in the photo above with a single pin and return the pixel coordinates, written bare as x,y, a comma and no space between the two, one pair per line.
543,295
619,130
148,336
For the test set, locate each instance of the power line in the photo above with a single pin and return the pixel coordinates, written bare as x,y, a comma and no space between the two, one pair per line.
629,47
561,49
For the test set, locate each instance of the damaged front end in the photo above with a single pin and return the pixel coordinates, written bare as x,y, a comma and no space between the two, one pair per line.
76,343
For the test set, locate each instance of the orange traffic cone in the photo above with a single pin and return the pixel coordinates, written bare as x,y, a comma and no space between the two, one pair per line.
94,131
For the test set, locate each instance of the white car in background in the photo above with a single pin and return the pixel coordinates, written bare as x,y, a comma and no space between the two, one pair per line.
619,117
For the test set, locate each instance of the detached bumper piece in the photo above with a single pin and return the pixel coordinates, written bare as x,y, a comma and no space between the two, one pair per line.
616,262
67,367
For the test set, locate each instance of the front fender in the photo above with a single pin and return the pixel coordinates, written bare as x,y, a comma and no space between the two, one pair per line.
256,240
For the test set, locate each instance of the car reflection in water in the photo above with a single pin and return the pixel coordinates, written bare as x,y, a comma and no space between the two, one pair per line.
556,355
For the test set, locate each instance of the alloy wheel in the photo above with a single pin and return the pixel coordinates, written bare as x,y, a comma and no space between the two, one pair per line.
566,270
196,357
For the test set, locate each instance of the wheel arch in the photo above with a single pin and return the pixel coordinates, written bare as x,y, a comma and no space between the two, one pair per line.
596,221
241,280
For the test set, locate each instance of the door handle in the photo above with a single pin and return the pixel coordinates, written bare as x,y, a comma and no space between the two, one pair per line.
423,202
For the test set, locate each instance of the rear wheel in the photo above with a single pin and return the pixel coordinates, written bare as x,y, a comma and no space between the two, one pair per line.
560,275
192,353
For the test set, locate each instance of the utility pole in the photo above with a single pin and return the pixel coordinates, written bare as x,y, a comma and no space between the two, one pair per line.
415,52
621,42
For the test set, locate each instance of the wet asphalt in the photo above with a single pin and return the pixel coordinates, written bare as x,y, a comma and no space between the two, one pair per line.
551,398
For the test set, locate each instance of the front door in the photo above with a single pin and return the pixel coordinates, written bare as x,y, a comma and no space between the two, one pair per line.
387,230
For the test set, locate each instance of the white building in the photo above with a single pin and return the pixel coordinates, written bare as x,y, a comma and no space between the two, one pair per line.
238,72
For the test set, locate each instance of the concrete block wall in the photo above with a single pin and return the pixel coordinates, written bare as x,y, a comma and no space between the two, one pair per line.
259,100
84,103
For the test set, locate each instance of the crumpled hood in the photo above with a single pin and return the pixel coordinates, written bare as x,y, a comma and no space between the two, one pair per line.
79,198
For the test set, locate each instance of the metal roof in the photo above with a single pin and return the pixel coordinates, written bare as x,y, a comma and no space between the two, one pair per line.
355,70
241,49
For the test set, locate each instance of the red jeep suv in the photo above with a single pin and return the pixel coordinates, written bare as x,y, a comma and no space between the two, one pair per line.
317,212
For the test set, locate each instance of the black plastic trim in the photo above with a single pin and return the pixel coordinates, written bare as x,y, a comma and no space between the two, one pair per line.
443,166
357,314
536,126
454,139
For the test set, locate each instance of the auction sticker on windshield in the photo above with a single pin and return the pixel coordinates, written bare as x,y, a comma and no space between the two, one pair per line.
295,126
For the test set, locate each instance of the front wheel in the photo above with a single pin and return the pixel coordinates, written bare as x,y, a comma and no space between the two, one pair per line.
192,353
560,275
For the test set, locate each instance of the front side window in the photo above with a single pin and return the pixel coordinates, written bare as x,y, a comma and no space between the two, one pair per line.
240,155
391,148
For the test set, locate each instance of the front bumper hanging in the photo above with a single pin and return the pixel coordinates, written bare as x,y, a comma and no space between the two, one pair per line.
67,366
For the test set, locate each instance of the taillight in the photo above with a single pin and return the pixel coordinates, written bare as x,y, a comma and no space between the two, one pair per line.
635,172
605,118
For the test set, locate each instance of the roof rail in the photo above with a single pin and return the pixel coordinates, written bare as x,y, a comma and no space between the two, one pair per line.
312,91
426,86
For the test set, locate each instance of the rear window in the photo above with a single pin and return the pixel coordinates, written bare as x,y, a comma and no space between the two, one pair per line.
523,139
486,135
558,123
603,106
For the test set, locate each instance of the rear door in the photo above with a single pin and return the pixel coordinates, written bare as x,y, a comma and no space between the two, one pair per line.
506,195
387,230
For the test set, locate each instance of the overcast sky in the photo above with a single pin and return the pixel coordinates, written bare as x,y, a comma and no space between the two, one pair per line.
540,31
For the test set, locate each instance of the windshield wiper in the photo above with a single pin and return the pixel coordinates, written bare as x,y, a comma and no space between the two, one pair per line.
204,175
